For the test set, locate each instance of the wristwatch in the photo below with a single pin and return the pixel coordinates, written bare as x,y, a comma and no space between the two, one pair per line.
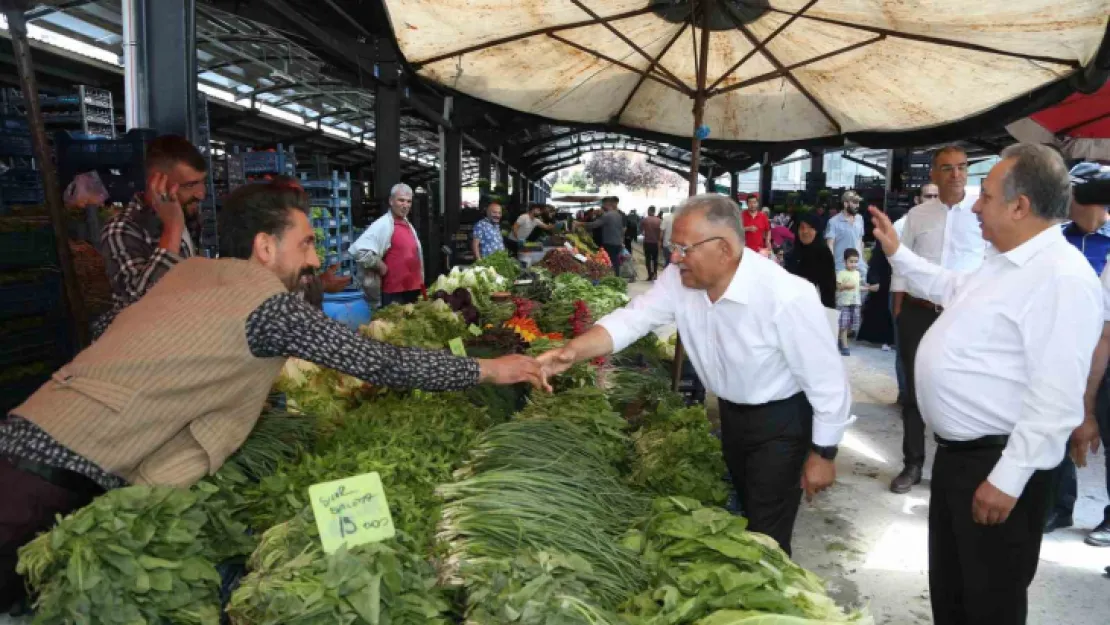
828,453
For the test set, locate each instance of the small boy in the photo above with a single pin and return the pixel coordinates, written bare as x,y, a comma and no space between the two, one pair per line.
848,296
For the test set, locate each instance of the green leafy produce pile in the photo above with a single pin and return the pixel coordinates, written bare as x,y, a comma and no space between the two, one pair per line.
581,374
505,265
413,440
428,324
293,581
707,568
134,555
542,486
540,287
602,299
676,454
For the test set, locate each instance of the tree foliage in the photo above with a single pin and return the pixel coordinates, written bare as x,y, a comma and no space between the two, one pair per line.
609,168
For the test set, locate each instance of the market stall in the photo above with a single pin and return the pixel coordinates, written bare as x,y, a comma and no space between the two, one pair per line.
593,505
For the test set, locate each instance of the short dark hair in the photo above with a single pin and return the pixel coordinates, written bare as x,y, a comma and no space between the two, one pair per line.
255,208
851,253
941,151
168,150
651,210
534,205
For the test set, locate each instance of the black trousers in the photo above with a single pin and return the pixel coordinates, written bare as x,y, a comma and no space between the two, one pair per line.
651,259
980,574
913,322
765,448
30,504
614,252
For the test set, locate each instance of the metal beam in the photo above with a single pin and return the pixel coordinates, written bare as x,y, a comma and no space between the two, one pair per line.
170,51
387,139
860,161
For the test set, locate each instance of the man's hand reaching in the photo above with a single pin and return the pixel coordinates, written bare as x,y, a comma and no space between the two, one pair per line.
556,361
513,370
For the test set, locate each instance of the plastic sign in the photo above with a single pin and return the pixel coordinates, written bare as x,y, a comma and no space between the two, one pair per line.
457,347
352,510
580,258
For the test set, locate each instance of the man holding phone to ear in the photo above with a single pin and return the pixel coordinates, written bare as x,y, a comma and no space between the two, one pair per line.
152,234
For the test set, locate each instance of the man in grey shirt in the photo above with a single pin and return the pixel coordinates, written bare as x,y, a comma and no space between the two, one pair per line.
611,223
846,231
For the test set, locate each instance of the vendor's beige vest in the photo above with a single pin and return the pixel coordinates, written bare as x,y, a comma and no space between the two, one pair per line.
171,389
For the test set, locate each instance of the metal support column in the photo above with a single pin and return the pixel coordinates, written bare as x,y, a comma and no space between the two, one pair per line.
817,161
710,182
520,187
168,45
766,174
387,133
135,93
733,184
485,178
452,181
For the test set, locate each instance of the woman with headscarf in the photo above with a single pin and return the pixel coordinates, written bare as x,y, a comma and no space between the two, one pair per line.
812,260
878,325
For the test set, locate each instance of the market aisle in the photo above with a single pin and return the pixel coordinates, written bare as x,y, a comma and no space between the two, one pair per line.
871,544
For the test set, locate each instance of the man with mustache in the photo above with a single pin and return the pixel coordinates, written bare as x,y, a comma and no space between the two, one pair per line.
156,230
844,231
178,380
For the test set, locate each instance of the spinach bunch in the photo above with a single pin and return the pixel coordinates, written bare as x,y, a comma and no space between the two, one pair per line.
135,555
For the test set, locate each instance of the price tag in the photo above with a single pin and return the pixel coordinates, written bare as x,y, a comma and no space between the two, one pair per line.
352,510
456,346
569,246
580,258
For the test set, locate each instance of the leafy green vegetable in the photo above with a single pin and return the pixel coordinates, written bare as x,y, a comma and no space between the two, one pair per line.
706,565
293,581
134,555
505,265
428,324
615,283
413,440
676,454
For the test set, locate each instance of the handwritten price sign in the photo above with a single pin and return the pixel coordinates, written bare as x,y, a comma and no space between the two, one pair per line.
352,510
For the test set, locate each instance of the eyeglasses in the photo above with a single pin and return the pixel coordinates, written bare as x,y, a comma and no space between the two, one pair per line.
683,250
930,196
947,169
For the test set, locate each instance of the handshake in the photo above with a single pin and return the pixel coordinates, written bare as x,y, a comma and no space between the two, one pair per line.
536,371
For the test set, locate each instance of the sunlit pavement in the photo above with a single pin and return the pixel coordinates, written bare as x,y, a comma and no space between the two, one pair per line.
872,544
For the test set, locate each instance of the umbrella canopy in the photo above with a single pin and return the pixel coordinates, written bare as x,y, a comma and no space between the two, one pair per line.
773,70
1080,126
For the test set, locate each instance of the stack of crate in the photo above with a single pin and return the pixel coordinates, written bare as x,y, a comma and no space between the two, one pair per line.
330,199
34,335
88,111
261,165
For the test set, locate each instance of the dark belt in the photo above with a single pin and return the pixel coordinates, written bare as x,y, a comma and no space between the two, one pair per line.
923,303
62,478
742,408
993,441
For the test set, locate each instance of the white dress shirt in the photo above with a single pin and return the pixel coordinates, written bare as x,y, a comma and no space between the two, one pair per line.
945,236
1011,351
1106,292
767,338
668,226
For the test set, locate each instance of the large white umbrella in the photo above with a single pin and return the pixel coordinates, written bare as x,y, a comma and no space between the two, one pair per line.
766,70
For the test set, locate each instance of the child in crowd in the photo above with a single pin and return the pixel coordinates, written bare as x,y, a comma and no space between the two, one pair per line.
849,286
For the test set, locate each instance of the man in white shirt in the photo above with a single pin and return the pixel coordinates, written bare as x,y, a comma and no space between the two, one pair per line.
944,231
759,338
526,224
1001,376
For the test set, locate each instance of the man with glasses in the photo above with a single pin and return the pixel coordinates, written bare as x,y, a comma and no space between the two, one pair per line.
156,230
760,340
944,231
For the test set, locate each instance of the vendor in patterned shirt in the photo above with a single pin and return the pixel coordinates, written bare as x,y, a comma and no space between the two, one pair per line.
487,237
178,380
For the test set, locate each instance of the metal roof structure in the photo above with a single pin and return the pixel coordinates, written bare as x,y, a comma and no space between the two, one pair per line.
264,87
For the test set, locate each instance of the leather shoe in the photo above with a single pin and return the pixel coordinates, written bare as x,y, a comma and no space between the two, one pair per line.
1100,536
1056,521
906,480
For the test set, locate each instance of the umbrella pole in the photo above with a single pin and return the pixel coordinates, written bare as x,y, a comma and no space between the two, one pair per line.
21,50
695,155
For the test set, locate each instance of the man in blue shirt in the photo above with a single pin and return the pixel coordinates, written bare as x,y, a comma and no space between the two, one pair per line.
487,237
1089,232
